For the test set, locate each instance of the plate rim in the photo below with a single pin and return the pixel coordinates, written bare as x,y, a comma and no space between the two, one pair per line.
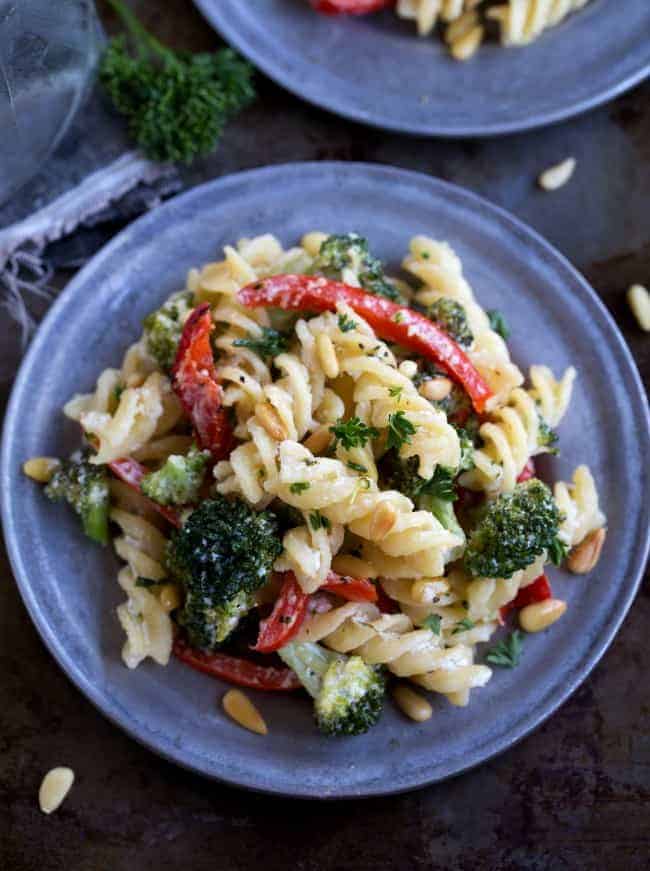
544,708
222,26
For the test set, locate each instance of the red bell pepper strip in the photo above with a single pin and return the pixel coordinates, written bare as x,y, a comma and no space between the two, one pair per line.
392,322
285,620
237,670
132,472
538,591
195,381
527,472
350,7
352,589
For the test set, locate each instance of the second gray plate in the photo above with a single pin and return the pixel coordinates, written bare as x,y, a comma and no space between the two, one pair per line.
376,70
69,584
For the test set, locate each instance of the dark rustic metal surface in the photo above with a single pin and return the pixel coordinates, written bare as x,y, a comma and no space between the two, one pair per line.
574,795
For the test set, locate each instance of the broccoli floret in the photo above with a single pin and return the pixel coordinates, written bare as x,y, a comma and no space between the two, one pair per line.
513,530
178,480
348,694
163,328
222,554
452,318
350,251
467,448
85,488
436,495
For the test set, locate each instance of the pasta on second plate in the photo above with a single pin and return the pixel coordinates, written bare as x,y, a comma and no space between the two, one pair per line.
305,453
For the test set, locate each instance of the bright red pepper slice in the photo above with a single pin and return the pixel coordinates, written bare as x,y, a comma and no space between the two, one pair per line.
195,381
393,322
237,670
132,472
527,472
352,589
350,7
285,620
538,591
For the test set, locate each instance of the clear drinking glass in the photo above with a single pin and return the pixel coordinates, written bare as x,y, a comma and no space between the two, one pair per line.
48,53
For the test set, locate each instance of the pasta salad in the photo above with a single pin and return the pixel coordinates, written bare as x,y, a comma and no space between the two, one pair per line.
319,476
464,24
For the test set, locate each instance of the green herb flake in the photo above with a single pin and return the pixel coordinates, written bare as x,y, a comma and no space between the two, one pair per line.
499,323
356,467
463,625
146,582
399,317
558,551
299,487
400,430
317,521
346,324
353,433
395,392
507,653
433,622
268,345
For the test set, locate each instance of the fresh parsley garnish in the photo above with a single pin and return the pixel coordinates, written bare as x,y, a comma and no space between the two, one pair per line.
268,345
395,391
399,317
499,323
441,484
463,625
357,467
299,486
400,430
507,653
433,622
317,521
346,323
353,433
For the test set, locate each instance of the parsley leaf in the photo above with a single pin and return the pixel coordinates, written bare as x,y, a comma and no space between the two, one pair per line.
558,551
268,345
346,324
433,622
507,653
499,323
463,625
396,391
400,430
316,521
353,433
441,484
357,467
299,486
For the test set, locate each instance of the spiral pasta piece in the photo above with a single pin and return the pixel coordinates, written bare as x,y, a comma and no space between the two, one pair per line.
579,504
522,21
439,268
426,13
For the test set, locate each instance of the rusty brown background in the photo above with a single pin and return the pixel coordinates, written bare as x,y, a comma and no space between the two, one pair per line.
574,795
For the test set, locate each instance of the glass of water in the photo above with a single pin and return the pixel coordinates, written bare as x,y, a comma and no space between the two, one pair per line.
48,54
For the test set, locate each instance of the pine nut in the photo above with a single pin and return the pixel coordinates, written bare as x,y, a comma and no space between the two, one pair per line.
55,786
541,615
382,521
584,556
460,27
327,356
353,567
240,709
412,704
270,420
638,299
41,469
408,368
436,389
318,441
169,597
556,176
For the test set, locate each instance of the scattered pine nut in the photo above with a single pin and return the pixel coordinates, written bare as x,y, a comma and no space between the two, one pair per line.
41,469
408,368
638,299
55,786
270,420
327,356
382,521
319,440
169,597
436,389
541,615
584,556
556,176
412,704
240,709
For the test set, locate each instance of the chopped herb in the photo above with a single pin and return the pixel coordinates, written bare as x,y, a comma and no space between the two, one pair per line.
400,430
311,462
299,486
558,551
396,391
499,323
118,391
357,467
346,324
268,345
507,653
399,317
146,582
441,484
463,625
433,622
317,521
353,433
424,255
